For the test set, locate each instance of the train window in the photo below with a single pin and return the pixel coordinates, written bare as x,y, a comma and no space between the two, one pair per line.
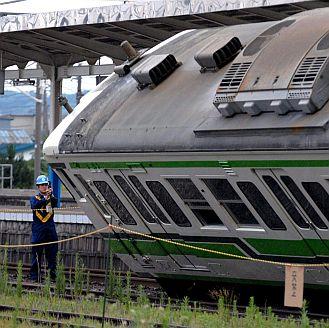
186,189
304,203
69,181
285,201
319,196
260,204
114,202
193,198
91,193
155,208
135,199
207,216
167,202
241,212
222,189
227,196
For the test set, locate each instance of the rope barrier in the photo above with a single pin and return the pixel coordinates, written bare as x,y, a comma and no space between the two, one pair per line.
111,226
61,241
28,209
240,257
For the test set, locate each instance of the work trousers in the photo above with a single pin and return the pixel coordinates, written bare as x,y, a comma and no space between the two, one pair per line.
36,263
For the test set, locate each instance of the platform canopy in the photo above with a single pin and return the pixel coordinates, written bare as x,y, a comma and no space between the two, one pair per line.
67,37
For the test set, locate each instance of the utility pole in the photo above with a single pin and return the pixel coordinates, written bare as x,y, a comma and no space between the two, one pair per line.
79,92
55,118
37,130
45,125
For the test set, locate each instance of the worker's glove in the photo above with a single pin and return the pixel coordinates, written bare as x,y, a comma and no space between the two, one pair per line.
49,193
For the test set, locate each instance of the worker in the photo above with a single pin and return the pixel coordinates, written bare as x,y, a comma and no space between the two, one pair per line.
43,229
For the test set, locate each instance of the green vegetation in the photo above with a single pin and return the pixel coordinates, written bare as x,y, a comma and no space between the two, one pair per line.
78,276
144,313
60,277
19,280
23,171
4,271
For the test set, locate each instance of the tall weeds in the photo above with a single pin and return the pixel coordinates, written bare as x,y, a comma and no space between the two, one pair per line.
79,276
4,287
60,284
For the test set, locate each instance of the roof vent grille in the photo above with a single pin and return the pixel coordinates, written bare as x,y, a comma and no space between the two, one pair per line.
234,77
154,70
307,72
217,54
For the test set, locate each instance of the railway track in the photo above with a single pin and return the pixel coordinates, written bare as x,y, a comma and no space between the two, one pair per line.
96,291
60,316
282,313
209,307
95,275
152,289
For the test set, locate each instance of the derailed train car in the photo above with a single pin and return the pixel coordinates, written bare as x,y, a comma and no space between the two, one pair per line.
216,138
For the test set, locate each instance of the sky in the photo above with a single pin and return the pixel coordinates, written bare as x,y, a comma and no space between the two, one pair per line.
19,100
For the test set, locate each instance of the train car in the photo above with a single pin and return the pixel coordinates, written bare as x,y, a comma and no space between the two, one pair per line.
216,138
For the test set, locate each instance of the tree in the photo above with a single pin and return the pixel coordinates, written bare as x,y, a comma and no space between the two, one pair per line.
23,173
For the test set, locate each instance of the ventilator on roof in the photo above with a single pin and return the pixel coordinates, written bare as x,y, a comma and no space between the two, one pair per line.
218,54
154,70
287,73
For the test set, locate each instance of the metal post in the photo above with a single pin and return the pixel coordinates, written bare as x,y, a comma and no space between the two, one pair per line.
2,81
11,176
37,131
79,92
4,177
55,108
55,185
109,268
45,124
55,118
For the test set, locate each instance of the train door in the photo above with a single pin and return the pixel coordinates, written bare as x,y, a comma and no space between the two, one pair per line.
130,186
102,193
296,207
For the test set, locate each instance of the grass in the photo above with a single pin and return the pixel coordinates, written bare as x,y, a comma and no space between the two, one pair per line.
143,312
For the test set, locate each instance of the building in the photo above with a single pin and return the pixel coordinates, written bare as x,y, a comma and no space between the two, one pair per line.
18,137
23,122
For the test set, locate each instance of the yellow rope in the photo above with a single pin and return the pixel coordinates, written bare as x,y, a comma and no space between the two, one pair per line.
56,241
240,257
112,226
28,210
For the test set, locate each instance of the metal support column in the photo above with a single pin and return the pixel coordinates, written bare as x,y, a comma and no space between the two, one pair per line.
79,91
109,274
45,119
55,108
37,131
55,118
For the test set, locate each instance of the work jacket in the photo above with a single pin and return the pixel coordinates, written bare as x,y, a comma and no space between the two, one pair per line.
43,226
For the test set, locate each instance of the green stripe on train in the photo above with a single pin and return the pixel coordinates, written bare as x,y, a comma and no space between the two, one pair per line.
178,164
150,247
307,247
300,248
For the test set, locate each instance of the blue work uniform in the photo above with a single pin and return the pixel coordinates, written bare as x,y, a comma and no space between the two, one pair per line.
43,230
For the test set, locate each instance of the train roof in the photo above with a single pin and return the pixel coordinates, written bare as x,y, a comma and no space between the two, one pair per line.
245,87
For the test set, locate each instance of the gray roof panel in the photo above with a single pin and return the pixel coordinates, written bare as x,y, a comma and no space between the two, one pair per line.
179,115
